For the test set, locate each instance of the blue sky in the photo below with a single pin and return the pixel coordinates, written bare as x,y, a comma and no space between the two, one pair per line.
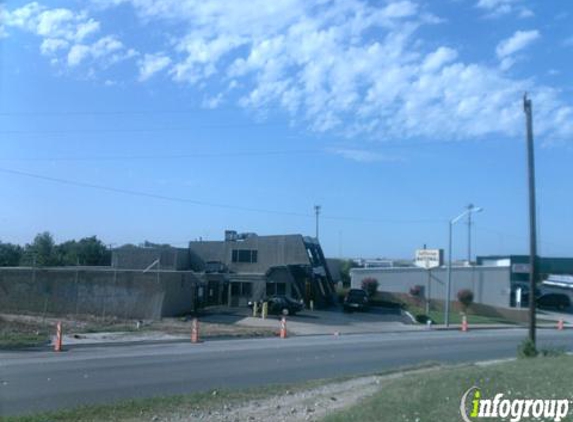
173,120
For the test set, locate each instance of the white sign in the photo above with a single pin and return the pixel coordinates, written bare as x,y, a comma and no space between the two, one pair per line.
429,258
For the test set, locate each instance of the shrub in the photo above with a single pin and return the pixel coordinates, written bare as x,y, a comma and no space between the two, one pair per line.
527,349
466,298
416,291
553,352
341,294
370,285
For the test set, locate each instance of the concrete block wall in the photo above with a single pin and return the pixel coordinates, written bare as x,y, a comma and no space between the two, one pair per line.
99,292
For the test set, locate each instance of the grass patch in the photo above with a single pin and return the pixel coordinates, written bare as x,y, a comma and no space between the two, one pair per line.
14,335
456,318
188,406
436,396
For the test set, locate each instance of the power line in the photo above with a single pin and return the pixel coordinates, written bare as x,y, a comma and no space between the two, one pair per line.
146,194
28,113
138,130
200,203
167,156
516,236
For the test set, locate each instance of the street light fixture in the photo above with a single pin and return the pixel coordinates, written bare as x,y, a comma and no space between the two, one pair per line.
470,209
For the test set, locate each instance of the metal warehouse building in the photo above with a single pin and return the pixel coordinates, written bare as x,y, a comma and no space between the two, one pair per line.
493,281
491,285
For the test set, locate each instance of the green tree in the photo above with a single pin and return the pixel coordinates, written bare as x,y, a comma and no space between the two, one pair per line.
345,268
68,252
92,251
10,254
41,252
86,251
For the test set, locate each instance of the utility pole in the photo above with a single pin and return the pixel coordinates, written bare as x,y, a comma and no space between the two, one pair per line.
527,108
317,212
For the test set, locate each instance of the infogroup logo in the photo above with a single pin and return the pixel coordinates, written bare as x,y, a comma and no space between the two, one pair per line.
473,407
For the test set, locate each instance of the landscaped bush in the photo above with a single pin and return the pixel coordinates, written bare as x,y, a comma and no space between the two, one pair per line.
370,285
466,298
416,291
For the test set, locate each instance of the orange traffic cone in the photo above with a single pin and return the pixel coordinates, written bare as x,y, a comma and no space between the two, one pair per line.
58,343
560,324
194,331
464,324
283,332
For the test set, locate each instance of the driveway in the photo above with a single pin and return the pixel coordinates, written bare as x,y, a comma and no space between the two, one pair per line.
333,321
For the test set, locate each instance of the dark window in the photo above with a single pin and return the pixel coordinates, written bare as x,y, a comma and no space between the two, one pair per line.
278,289
235,289
244,255
241,289
247,289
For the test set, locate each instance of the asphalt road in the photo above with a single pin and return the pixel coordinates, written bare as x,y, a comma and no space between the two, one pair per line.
43,380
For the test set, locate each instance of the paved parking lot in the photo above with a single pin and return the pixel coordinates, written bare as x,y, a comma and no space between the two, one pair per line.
333,321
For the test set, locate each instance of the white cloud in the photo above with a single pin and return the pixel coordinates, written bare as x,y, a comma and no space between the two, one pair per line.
213,102
65,35
151,64
364,156
350,67
109,49
51,45
498,8
85,29
51,23
507,48
438,58
517,42
77,54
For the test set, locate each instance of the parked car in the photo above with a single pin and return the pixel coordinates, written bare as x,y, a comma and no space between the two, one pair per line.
355,300
280,305
554,300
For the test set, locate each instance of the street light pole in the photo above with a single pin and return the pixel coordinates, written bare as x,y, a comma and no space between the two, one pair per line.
470,209
470,235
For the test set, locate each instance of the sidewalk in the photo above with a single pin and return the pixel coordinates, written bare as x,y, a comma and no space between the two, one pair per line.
118,338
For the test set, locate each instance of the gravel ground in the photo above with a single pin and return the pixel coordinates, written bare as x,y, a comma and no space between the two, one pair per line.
87,329
307,405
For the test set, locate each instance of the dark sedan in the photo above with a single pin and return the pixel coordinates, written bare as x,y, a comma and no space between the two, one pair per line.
280,305
356,300
554,301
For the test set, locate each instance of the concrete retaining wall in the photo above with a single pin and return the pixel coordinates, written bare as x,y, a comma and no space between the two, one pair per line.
100,292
